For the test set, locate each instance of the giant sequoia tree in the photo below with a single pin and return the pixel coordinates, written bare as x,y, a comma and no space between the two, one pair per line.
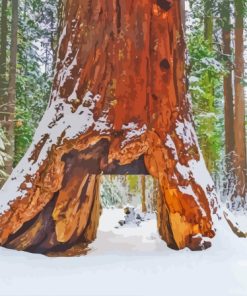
118,106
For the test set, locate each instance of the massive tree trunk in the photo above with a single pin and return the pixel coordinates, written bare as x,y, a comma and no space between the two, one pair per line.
118,105
239,124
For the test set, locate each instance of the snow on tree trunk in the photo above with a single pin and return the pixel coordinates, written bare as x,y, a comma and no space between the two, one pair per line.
118,104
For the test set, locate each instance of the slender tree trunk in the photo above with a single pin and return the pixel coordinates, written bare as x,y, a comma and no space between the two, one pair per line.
239,124
3,58
143,183
3,64
155,194
183,14
53,42
3,70
60,24
208,22
208,35
12,87
118,104
228,91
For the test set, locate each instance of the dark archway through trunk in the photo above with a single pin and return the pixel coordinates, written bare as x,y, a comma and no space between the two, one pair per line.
118,105
69,222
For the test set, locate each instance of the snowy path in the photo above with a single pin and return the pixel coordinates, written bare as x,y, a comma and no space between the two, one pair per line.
129,262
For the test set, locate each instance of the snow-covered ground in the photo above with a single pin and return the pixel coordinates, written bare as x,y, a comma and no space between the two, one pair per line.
129,261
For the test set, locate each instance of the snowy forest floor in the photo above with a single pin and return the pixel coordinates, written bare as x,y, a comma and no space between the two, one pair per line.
129,261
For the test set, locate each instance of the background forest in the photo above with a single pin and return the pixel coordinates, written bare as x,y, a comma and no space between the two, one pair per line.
215,35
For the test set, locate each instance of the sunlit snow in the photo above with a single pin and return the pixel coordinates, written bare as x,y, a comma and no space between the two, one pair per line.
129,261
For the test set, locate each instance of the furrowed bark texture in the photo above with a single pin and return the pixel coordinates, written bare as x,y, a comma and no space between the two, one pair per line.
118,105
239,123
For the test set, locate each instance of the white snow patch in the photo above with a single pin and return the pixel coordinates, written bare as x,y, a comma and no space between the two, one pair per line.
130,262
185,131
130,125
189,191
63,120
29,185
63,34
170,144
65,72
213,63
193,79
102,124
133,131
183,170
197,169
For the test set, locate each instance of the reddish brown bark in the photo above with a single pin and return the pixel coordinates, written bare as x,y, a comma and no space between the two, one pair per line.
239,123
228,91
143,185
118,105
